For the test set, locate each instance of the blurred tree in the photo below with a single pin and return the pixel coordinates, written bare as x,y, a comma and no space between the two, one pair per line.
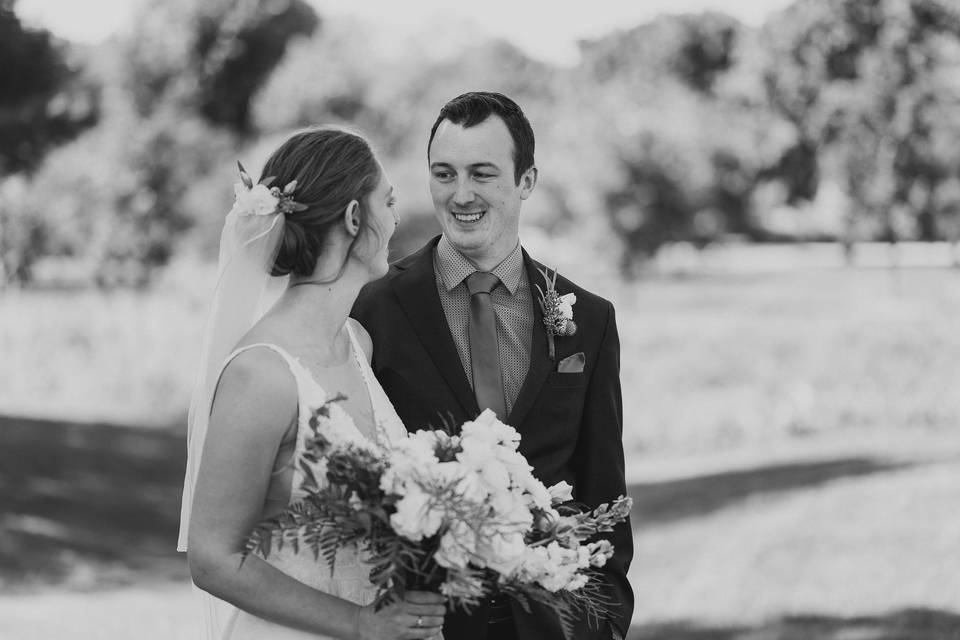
117,199
177,97
690,129
211,56
44,99
872,83
22,238
654,205
693,48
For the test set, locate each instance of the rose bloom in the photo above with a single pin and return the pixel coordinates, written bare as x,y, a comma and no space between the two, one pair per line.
566,305
414,518
257,201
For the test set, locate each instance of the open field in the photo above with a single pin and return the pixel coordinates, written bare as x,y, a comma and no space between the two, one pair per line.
793,442
735,354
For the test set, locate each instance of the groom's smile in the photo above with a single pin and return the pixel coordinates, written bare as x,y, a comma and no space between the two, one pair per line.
467,216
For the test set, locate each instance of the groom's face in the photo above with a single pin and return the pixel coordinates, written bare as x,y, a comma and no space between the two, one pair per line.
474,192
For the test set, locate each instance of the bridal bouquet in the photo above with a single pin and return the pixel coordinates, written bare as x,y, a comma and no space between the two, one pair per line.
459,514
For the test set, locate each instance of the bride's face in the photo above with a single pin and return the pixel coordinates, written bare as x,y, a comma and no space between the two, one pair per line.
383,220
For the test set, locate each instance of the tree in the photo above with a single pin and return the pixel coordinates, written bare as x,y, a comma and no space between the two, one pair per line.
689,126
44,100
211,57
869,84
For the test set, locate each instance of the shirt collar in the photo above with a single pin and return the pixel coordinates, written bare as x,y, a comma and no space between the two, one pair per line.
454,268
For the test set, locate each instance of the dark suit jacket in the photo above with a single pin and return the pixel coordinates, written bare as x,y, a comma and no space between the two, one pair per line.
570,423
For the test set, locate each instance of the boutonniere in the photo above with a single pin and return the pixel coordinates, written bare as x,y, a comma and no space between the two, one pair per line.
557,310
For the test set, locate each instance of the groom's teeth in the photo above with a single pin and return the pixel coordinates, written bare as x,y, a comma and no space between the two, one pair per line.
468,217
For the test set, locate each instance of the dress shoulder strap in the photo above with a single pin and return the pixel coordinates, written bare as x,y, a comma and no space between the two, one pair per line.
299,373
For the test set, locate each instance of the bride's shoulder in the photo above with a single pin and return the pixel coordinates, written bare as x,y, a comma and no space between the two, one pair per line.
262,372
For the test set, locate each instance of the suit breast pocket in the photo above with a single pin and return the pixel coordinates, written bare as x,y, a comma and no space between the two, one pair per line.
561,400
561,380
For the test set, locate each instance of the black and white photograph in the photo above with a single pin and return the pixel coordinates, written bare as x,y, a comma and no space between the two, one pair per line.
508,320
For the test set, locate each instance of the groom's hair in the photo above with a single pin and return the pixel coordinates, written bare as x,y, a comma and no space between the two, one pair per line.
472,108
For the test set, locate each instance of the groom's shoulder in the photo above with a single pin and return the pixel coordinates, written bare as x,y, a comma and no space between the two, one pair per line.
406,262
380,287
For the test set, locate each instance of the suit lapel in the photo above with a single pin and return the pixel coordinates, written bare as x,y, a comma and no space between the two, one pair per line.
540,364
416,289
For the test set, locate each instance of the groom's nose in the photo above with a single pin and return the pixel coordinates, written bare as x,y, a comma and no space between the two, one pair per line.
464,193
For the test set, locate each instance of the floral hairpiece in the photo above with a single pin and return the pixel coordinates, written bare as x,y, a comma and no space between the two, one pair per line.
557,310
263,199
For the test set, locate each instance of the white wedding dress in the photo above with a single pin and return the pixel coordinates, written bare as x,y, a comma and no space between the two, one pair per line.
349,579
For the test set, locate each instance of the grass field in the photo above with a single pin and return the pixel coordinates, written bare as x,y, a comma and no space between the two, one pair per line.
792,440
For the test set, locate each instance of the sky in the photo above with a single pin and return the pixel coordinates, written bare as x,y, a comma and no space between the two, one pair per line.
544,29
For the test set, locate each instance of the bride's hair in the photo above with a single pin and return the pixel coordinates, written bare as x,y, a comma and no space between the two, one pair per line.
332,167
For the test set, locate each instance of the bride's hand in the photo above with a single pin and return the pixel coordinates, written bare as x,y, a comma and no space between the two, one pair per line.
418,615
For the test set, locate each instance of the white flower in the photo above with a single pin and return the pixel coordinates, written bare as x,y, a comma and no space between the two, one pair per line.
600,552
410,461
511,511
502,552
257,201
489,430
415,518
576,582
566,305
456,546
561,492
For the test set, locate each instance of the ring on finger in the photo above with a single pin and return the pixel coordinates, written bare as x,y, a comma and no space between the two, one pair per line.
419,621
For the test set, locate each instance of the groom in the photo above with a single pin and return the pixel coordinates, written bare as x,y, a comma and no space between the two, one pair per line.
457,327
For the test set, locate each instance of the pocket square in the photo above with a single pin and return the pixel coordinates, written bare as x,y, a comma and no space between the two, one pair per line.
572,364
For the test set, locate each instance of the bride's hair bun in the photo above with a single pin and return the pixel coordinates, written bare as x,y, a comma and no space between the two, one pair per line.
332,167
298,251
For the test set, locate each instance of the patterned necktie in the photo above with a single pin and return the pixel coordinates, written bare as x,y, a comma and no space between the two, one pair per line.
484,350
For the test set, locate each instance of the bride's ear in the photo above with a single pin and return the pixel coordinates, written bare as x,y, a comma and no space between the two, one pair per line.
351,218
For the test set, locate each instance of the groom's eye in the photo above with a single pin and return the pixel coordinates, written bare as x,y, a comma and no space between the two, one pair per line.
442,175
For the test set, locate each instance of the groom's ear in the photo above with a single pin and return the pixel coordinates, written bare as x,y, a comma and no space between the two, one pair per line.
527,182
351,218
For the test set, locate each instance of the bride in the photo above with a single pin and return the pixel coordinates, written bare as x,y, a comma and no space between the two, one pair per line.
317,233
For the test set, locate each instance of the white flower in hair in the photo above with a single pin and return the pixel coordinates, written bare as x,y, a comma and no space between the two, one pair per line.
262,199
257,201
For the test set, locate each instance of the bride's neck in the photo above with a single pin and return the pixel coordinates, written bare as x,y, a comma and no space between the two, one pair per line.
321,302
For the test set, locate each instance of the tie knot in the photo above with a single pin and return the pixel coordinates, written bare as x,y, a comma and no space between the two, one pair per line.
481,282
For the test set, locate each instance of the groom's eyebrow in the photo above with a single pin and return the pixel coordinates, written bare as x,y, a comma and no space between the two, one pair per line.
476,165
